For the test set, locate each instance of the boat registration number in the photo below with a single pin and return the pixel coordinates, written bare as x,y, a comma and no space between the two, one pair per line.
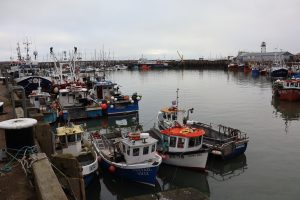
92,167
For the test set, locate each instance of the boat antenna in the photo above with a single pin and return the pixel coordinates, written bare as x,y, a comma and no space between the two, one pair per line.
177,97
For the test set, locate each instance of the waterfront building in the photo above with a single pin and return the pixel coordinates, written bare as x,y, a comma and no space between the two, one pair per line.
263,56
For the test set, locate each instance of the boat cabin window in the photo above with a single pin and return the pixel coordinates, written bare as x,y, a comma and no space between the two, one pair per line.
153,148
173,141
192,142
63,94
292,84
71,138
287,84
180,143
62,139
128,151
198,140
36,99
136,151
145,150
124,148
78,137
195,142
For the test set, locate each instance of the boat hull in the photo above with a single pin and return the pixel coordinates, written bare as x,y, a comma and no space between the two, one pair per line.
89,171
118,109
142,173
31,83
94,112
50,117
195,160
279,73
288,94
230,151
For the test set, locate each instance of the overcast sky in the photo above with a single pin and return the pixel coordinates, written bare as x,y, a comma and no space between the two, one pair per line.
129,29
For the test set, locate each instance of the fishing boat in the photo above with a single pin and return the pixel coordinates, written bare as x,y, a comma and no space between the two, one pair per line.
224,142
279,71
112,101
255,71
288,90
70,141
74,102
132,157
27,74
41,101
146,64
182,146
233,67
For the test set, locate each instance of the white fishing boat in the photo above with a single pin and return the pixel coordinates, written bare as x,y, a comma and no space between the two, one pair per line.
133,157
69,140
223,141
41,102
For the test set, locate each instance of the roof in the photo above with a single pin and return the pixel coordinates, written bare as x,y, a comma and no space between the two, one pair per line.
282,53
139,143
183,132
170,110
65,130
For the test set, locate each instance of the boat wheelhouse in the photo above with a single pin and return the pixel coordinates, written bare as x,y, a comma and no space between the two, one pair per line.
75,103
41,102
69,140
133,157
222,141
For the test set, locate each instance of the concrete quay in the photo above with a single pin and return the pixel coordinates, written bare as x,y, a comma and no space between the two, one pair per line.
14,183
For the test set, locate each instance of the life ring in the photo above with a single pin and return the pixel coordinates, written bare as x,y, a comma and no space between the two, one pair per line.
134,136
185,131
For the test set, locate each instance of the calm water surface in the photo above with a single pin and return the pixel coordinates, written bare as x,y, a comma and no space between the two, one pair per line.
270,168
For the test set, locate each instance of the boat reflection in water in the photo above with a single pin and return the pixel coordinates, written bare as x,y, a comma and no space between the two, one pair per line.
222,170
113,122
113,187
93,190
290,110
172,177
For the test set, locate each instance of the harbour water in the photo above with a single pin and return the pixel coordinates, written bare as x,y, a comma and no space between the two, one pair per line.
270,167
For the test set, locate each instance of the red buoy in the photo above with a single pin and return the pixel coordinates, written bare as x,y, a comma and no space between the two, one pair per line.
104,106
112,169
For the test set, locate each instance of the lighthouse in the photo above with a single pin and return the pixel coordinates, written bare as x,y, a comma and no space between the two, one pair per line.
263,47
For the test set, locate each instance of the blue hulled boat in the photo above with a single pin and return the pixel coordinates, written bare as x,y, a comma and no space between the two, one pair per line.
133,157
112,101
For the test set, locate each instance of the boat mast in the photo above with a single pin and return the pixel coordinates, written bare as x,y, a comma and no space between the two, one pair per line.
177,98
27,49
19,52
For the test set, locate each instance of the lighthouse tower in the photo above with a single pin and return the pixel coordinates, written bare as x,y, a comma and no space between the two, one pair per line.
263,47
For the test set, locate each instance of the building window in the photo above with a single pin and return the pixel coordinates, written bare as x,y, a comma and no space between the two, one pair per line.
173,141
180,143
145,150
136,152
